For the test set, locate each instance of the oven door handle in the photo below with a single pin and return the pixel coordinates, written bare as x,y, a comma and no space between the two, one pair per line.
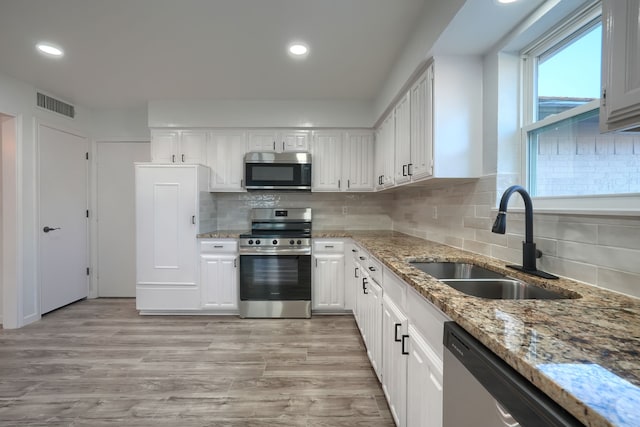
275,252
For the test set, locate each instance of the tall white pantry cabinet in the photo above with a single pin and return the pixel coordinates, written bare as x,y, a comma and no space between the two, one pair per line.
167,204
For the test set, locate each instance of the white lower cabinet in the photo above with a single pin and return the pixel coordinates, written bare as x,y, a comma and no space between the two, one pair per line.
402,332
424,383
368,307
328,276
394,356
219,278
373,325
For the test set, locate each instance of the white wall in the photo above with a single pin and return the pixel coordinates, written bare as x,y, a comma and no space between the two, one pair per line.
260,113
120,124
18,99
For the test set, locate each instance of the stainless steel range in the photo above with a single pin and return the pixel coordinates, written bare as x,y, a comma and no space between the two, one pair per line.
275,264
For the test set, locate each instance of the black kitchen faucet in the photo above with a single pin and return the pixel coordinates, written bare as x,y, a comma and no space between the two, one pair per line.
529,252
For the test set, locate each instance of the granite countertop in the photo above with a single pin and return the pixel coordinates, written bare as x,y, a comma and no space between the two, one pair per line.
582,352
222,234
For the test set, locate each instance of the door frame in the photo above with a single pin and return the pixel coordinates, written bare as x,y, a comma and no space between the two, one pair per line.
11,284
93,205
37,123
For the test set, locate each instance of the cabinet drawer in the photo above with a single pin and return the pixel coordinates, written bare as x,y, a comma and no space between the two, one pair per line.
328,246
374,268
396,288
218,246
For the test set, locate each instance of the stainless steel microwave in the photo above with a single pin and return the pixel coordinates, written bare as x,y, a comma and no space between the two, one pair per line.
277,171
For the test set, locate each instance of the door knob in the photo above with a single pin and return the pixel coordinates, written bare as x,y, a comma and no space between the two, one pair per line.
48,229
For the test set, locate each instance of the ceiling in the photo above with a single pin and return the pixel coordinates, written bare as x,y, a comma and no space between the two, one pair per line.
123,53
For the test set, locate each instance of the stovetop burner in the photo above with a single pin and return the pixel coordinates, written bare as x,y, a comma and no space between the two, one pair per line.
278,230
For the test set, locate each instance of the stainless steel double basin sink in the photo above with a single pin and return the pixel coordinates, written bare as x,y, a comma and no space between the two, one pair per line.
481,282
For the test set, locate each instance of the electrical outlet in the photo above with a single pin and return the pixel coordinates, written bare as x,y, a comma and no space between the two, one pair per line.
344,210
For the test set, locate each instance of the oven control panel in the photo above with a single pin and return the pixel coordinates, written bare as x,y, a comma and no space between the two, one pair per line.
275,242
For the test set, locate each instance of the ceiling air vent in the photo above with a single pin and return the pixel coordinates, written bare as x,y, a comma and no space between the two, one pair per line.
55,105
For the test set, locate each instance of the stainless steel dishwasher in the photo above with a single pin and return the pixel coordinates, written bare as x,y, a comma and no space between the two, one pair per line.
481,390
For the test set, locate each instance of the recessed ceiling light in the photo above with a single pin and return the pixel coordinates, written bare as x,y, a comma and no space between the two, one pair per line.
49,50
505,1
298,50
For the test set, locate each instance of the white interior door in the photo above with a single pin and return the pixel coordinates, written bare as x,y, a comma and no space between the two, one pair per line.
63,221
116,217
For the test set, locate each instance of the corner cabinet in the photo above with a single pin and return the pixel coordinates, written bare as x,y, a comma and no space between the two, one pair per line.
328,276
167,204
219,276
342,160
620,101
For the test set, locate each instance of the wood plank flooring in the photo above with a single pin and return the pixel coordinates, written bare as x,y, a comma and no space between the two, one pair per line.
98,363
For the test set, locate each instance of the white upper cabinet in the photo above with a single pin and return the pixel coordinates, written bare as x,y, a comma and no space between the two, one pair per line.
295,140
435,128
403,139
342,161
620,102
357,164
225,157
385,153
279,140
178,146
421,163
326,155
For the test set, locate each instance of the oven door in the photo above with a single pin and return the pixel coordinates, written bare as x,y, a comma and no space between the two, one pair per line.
275,277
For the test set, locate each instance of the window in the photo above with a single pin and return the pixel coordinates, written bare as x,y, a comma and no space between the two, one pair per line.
566,154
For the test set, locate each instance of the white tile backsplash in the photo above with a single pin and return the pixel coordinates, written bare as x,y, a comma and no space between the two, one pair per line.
594,249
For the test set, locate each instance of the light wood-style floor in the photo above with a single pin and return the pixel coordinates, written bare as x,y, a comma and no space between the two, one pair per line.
98,363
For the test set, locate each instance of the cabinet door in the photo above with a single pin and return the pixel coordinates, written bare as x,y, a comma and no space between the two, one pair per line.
403,139
192,147
421,165
328,282
219,281
424,384
166,209
394,372
262,140
361,311
374,326
621,64
387,150
327,161
293,140
164,146
358,161
225,155
351,278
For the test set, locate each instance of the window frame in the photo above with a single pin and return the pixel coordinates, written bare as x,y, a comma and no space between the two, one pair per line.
626,204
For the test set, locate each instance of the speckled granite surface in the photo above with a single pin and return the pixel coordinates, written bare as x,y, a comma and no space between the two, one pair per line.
223,234
582,352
